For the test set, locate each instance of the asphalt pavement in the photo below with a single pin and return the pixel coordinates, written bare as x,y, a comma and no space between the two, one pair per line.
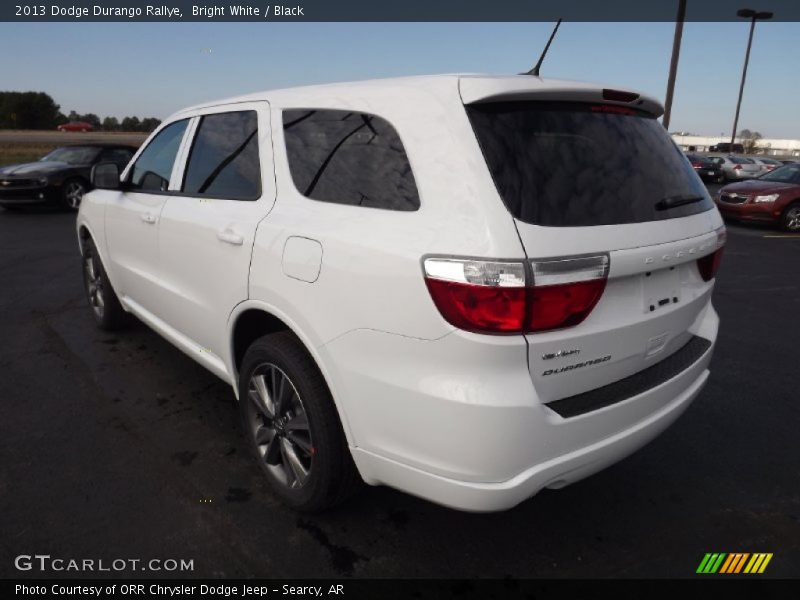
119,446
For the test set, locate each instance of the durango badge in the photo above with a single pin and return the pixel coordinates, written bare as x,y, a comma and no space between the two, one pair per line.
579,365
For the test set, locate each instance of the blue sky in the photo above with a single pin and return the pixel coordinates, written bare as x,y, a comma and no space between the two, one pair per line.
152,69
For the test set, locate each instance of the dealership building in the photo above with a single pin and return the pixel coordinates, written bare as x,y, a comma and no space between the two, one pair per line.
768,146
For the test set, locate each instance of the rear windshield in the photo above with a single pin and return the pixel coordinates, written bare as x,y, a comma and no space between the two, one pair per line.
576,164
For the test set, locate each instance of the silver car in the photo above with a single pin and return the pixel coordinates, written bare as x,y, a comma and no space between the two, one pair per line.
737,168
766,164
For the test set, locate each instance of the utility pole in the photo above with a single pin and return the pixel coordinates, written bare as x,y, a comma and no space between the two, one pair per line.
754,16
673,65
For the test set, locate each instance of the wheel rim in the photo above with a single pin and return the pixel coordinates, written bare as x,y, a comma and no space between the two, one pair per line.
94,285
793,219
278,425
74,194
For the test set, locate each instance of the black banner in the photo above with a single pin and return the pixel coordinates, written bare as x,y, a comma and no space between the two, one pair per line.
406,10
388,589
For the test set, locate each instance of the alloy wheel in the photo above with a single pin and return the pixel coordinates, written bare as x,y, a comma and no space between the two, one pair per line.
278,425
73,193
94,285
792,220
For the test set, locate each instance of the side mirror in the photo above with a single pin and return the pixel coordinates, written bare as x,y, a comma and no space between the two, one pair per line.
105,176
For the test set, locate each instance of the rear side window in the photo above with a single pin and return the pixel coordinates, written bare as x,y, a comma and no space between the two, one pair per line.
348,157
223,161
153,168
576,164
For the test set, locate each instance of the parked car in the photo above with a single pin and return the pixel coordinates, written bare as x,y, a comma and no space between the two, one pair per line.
60,177
466,287
727,148
766,164
788,161
76,126
707,169
737,167
772,198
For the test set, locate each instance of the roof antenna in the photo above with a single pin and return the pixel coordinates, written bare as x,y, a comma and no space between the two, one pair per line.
535,70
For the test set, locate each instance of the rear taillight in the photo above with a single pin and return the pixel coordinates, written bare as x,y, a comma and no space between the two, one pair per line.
500,297
565,291
480,296
737,168
709,264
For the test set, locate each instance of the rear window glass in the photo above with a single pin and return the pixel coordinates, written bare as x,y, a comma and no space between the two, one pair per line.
223,162
348,157
577,164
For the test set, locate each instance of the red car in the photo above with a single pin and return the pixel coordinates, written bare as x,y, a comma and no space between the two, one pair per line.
76,126
771,198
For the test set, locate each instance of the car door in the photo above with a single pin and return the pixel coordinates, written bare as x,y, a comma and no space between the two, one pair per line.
207,230
132,214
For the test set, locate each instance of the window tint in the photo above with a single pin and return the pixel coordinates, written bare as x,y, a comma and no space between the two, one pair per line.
785,174
154,165
348,158
121,156
572,164
223,162
72,155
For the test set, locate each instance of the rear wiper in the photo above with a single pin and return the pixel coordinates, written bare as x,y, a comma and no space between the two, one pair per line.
675,201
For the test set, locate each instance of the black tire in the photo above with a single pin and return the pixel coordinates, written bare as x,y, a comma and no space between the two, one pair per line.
72,192
790,219
106,309
319,444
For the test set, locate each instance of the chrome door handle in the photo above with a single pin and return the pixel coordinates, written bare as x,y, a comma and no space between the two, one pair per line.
148,218
230,237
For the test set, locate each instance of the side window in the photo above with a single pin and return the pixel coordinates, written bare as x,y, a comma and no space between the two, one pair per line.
348,157
154,166
223,161
120,156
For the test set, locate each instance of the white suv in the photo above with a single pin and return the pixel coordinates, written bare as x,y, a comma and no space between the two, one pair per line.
465,287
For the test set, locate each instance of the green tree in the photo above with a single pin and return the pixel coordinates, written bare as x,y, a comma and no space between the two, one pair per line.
27,110
130,124
148,124
111,124
750,141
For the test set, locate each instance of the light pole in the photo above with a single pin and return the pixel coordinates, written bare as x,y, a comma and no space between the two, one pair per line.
673,64
754,16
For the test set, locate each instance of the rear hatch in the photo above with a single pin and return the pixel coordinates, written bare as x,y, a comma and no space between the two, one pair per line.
590,179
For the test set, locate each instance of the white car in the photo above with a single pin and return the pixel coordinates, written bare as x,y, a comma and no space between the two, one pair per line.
466,287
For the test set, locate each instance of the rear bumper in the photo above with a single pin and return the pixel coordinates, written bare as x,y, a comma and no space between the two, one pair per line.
555,473
458,421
